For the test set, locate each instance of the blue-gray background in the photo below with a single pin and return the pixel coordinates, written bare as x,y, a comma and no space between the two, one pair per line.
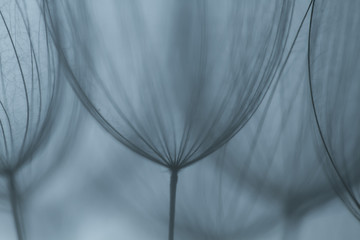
266,183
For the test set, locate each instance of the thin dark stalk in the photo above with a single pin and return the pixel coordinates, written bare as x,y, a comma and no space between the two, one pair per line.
173,182
15,206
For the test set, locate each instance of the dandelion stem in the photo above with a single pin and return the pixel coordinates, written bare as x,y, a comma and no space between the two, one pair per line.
15,208
173,182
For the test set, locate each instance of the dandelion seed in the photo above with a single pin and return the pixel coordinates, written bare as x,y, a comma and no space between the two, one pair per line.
178,92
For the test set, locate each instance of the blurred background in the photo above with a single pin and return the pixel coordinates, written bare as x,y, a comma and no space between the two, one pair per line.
270,181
